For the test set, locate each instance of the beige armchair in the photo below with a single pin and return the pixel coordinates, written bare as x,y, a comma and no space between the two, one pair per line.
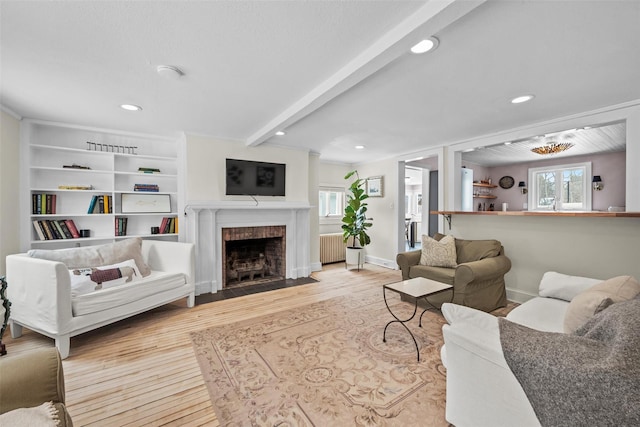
477,280
31,379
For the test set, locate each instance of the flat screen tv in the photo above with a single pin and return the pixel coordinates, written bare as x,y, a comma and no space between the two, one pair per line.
250,178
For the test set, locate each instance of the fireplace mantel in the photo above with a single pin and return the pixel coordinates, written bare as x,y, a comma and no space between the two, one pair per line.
205,221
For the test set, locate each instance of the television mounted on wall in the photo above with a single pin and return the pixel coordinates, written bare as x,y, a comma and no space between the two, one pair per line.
249,178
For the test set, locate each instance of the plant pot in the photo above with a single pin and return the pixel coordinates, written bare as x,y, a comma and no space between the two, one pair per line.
354,255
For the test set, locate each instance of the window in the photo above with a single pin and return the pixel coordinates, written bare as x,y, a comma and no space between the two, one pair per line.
565,187
331,202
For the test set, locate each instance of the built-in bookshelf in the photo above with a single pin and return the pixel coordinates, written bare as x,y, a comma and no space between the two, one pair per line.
81,174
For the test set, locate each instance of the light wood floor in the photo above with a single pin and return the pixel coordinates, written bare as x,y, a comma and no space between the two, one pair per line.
142,371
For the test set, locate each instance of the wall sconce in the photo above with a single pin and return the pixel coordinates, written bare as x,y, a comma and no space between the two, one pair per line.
597,183
523,187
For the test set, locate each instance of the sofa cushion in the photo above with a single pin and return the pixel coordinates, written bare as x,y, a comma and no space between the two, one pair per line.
440,253
474,250
598,297
129,293
564,287
96,256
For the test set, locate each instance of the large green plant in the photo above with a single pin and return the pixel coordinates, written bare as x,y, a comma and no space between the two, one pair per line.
355,221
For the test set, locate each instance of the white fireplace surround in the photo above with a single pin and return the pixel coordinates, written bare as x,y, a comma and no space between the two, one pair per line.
205,221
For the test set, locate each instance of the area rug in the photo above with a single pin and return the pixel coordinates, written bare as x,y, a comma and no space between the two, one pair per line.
325,364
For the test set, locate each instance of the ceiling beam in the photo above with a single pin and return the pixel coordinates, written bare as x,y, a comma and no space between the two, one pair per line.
425,22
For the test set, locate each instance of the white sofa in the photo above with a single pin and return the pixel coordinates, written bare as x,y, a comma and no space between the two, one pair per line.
43,300
481,389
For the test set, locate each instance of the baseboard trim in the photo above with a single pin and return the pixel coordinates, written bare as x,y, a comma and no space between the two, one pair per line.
381,262
516,295
316,266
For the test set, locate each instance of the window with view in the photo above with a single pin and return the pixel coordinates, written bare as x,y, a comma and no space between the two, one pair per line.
563,187
331,202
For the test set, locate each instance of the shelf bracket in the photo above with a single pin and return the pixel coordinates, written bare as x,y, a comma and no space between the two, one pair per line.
448,218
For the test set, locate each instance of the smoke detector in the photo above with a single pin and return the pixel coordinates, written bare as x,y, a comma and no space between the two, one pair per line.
170,72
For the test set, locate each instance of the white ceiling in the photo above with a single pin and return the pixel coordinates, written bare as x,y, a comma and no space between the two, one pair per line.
333,74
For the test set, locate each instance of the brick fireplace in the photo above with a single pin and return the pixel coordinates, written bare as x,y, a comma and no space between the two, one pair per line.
207,223
253,255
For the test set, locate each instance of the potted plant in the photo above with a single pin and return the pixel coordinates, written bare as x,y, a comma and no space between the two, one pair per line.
355,221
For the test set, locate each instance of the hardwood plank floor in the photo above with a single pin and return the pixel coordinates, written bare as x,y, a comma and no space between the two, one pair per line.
142,371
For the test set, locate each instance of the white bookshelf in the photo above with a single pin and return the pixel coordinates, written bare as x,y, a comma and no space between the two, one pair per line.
112,163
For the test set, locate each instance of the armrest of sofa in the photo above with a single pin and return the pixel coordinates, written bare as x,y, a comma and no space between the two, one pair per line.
487,268
40,293
406,259
473,331
171,257
30,379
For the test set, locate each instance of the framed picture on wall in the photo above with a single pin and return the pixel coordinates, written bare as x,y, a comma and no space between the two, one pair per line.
374,186
146,203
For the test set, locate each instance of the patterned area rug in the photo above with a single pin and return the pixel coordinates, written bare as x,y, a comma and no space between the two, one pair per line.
325,364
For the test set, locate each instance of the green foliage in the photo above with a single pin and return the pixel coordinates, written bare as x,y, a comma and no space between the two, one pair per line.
355,221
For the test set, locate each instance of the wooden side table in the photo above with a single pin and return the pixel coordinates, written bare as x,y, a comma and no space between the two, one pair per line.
416,288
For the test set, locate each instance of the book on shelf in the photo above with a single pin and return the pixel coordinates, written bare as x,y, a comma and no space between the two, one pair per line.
120,226
169,225
72,228
58,228
43,204
39,230
100,204
146,187
65,229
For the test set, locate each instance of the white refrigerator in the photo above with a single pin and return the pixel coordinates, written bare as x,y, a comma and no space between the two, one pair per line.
466,190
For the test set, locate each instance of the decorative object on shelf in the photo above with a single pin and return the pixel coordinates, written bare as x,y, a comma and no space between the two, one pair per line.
75,187
149,170
552,148
506,182
75,166
523,187
374,186
597,183
5,311
110,148
146,203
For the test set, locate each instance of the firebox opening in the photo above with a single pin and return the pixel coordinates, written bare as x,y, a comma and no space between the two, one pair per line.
253,255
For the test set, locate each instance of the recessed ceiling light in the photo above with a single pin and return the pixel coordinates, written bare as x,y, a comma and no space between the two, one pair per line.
359,147
521,99
131,107
425,45
508,143
281,133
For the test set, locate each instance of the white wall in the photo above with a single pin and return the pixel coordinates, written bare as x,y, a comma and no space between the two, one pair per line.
314,221
9,187
205,168
384,211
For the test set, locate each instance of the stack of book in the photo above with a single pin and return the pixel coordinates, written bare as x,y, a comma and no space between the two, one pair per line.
169,225
121,226
43,204
56,229
146,187
149,170
101,204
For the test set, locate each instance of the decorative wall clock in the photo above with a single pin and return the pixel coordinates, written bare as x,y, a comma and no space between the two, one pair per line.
506,182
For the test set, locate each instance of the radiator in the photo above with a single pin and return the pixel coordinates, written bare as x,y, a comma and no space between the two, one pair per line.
332,249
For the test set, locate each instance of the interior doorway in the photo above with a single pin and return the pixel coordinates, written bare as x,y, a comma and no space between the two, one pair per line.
420,197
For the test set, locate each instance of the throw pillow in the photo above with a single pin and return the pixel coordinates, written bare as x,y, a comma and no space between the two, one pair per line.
598,297
91,279
564,287
438,253
95,256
